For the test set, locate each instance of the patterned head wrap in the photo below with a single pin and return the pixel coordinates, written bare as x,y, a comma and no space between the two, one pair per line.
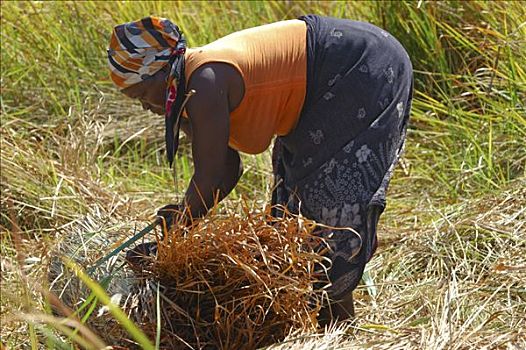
140,49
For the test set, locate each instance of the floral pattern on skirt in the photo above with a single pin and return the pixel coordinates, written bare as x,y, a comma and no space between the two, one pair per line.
335,166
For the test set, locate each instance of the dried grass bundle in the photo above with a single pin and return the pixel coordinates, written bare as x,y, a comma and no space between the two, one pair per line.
233,283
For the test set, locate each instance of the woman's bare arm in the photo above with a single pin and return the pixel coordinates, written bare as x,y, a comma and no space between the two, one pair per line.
217,167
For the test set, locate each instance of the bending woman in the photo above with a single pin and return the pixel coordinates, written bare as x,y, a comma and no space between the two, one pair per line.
336,93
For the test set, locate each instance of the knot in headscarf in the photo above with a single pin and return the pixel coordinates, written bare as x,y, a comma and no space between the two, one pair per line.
140,49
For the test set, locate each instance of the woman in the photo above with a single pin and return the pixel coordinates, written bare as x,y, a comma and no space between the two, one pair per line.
335,92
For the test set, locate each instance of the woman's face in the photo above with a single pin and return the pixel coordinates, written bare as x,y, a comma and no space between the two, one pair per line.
150,92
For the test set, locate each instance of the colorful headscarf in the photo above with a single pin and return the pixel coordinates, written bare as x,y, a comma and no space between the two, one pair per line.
140,49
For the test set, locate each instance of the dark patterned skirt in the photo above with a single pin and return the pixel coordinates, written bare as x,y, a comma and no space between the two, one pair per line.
335,166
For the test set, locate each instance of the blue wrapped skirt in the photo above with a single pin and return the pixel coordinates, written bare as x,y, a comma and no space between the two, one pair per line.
336,164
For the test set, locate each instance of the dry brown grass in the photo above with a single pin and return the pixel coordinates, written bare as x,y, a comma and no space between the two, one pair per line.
446,276
456,282
234,282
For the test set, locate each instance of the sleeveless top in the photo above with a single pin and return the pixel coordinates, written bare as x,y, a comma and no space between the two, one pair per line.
272,60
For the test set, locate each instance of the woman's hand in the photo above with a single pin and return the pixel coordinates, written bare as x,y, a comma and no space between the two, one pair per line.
172,213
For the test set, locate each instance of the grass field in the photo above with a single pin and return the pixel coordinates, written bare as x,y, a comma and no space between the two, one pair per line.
80,160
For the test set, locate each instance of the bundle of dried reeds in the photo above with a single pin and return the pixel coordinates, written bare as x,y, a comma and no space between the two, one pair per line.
232,283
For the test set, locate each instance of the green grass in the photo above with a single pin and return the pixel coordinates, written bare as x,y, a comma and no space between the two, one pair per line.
449,269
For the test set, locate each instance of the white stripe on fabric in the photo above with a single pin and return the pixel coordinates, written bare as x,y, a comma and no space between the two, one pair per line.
137,40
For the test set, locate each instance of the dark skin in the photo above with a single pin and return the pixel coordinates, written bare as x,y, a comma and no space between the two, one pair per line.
217,167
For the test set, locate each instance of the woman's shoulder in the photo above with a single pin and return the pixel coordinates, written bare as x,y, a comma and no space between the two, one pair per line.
216,78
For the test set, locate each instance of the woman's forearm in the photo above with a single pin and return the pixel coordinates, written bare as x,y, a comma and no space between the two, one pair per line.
206,190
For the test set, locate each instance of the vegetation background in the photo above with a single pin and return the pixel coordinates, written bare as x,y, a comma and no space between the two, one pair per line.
450,271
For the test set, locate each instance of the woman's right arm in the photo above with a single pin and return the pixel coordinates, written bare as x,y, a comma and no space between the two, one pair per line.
217,167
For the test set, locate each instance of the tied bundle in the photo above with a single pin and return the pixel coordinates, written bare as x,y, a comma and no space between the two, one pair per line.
232,283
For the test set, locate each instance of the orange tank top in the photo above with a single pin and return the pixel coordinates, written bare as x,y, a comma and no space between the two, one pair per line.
272,60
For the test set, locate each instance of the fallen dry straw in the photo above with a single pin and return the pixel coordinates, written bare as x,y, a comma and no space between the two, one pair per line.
232,283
